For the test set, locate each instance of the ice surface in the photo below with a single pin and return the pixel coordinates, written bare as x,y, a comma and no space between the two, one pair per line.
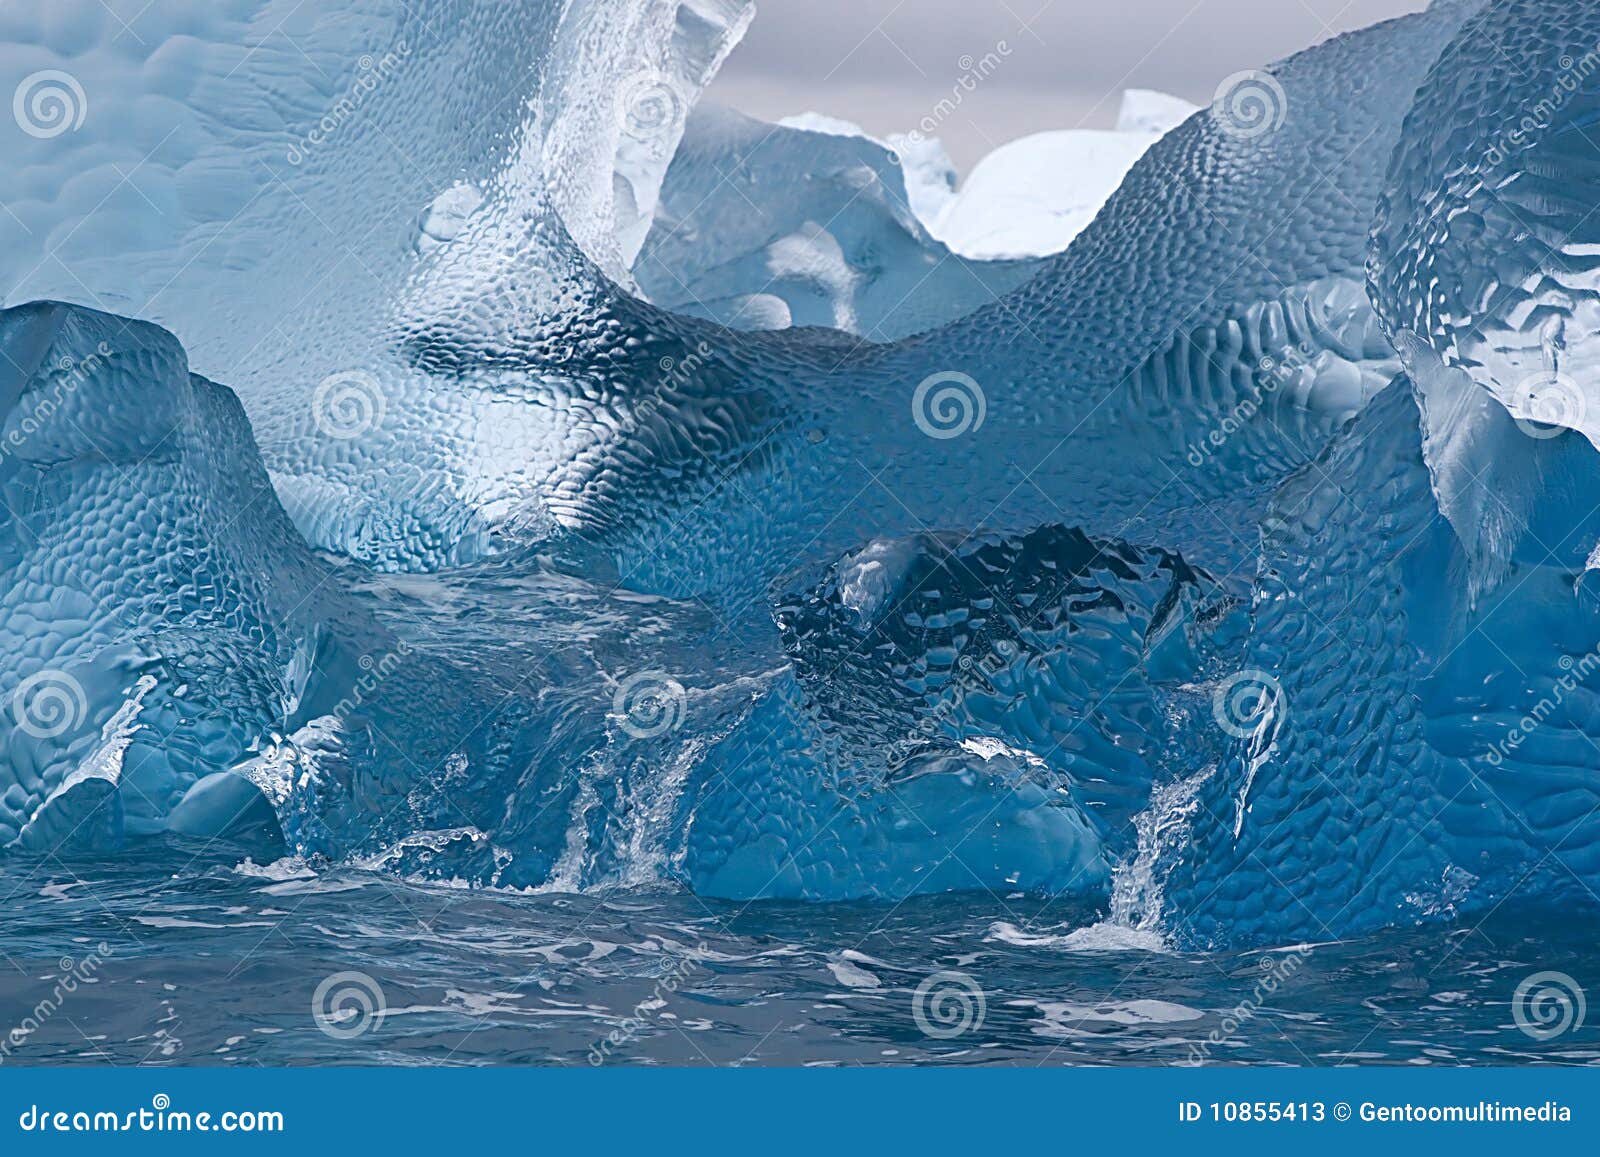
1153,582
1145,111
1032,196
1027,198
491,388
765,226
1417,756
929,173
1051,645
177,659
255,169
164,624
1226,369
1483,261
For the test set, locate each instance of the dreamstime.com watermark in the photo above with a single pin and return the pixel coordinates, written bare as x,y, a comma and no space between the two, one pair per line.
70,975
1250,105
974,675
49,704
974,71
1273,373
1248,703
678,373
1541,114
636,1021
651,108
1554,402
347,1005
160,1117
374,672
48,103
648,704
948,404
1276,971
348,404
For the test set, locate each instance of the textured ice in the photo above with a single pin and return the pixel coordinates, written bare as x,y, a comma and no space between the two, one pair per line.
467,379
353,175
978,714
176,659
1483,261
1155,582
472,381
1069,651
165,625
1227,370
1418,753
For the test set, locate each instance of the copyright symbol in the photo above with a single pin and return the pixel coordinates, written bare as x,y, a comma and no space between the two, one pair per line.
1341,1112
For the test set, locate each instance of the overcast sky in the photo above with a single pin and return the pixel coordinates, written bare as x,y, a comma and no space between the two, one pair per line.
886,63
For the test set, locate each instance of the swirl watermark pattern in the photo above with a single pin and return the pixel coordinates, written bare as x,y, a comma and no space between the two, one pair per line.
649,703
49,703
1554,404
949,404
48,103
1250,105
348,404
1247,703
347,1005
649,106
1549,1004
948,1004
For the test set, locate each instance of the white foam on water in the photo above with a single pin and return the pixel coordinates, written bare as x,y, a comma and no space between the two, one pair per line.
1122,1012
1101,937
1137,887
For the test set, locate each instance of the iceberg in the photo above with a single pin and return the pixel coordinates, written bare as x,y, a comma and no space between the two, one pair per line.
1146,111
766,226
1412,754
176,657
1481,270
1243,549
476,382
223,151
1032,196
1226,371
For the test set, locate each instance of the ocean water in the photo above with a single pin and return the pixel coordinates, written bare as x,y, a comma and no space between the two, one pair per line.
175,959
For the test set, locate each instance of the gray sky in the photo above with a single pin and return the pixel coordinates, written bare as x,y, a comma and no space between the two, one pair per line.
886,63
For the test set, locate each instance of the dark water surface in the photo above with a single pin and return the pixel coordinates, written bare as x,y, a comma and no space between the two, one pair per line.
206,963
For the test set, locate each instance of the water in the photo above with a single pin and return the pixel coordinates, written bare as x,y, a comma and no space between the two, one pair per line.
208,962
